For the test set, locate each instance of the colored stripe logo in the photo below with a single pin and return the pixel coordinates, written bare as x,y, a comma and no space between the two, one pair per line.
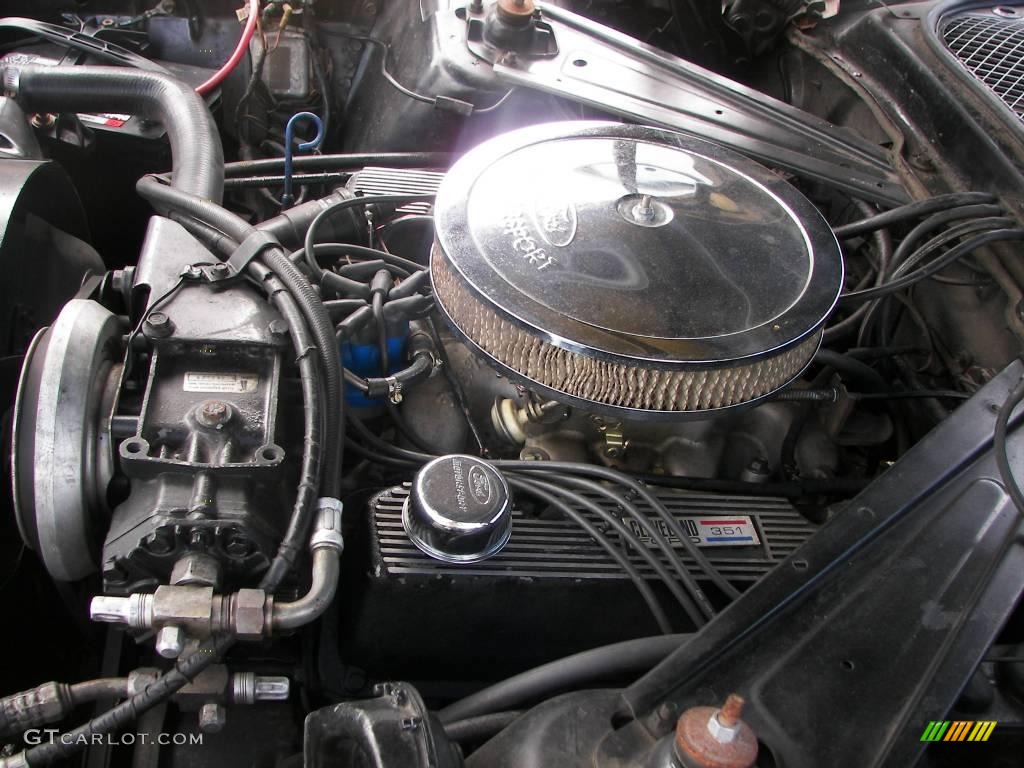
958,730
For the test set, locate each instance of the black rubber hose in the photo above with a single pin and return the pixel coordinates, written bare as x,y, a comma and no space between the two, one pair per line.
127,711
213,239
418,370
604,663
301,306
884,254
790,490
346,250
852,368
341,162
933,267
198,159
932,223
103,688
652,501
903,263
342,205
294,540
691,606
166,199
912,211
482,727
981,224
643,520
542,492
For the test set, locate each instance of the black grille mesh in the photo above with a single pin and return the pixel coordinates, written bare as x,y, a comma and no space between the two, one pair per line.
991,47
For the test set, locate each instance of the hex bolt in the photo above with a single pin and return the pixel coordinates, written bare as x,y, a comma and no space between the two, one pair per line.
214,413
170,642
158,325
212,717
158,542
221,270
237,545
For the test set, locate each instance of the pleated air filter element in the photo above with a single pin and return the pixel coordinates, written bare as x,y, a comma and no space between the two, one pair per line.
632,271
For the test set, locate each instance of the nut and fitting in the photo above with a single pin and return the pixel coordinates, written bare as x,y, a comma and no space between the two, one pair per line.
709,737
170,641
327,531
187,611
193,611
212,717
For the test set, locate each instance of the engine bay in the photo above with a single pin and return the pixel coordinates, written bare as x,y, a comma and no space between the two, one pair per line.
511,384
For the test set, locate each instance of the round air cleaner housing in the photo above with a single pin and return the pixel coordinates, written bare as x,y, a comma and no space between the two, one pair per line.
632,271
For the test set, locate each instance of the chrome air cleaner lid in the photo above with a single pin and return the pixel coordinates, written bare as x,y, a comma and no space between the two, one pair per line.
630,269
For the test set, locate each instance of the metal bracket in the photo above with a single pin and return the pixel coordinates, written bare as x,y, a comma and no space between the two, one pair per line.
610,71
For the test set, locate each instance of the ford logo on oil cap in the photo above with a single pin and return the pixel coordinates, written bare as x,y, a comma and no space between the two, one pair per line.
459,510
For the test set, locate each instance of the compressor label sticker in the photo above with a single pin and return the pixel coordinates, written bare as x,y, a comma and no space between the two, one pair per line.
234,383
707,531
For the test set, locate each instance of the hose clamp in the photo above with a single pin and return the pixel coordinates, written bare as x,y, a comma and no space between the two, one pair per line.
327,532
394,390
12,81
250,248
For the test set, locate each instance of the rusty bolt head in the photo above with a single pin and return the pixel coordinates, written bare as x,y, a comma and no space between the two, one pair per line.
515,12
709,737
214,413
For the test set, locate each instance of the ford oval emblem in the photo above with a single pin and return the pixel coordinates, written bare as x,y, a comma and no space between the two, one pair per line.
480,485
556,221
